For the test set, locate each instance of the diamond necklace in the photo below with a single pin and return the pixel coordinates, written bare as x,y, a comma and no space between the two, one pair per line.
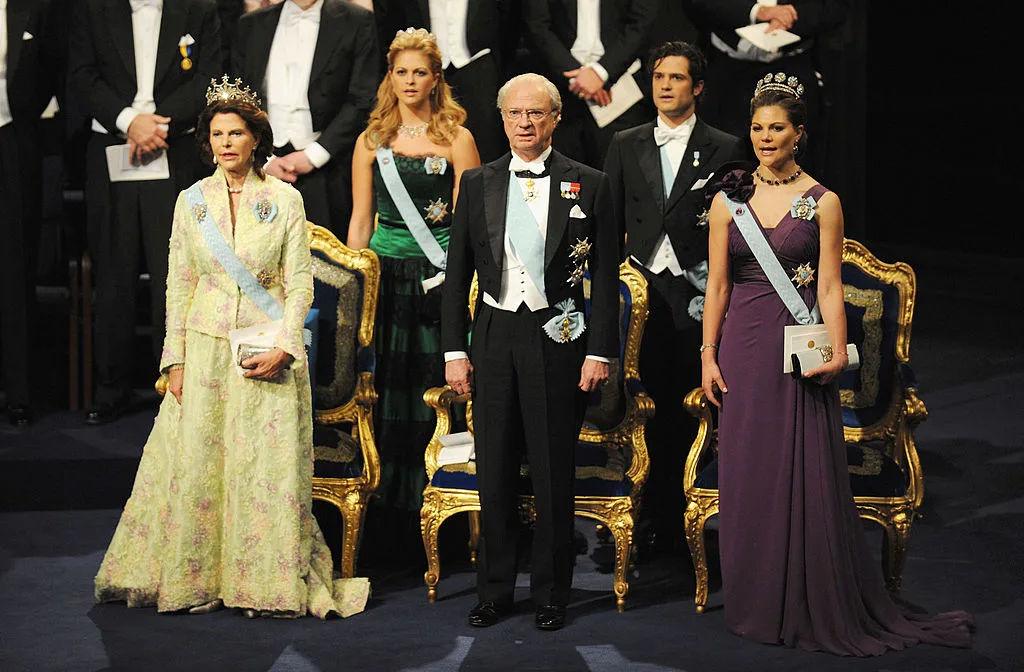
412,131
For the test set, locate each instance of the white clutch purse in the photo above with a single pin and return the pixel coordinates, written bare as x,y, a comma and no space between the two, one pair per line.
807,347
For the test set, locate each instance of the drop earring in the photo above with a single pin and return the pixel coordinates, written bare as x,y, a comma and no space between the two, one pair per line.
796,147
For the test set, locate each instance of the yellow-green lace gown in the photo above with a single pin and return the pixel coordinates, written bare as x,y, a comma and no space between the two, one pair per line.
221,506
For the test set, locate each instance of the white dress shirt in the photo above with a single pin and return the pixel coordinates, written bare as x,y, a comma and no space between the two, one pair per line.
516,285
448,23
664,255
287,80
5,105
588,49
146,16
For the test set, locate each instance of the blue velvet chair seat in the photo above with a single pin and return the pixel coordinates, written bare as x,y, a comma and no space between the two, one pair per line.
600,472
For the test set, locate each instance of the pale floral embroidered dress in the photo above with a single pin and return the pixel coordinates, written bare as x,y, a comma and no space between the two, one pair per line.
221,506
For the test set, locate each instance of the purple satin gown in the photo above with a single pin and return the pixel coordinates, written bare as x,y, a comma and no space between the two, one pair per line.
796,568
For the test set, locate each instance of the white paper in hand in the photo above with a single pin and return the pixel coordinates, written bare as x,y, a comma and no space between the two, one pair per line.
625,94
121,169
770,42
457,448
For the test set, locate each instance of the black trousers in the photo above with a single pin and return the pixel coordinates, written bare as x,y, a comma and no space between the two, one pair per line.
526,395
122,219
669,369
326,192
476,88
21,196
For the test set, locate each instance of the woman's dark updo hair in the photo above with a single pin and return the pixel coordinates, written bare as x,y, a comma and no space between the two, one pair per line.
256,121
794,107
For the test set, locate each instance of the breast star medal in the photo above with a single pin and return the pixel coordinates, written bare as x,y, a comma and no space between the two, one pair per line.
265,278
199,211
580,249
703,219
436,210
803,276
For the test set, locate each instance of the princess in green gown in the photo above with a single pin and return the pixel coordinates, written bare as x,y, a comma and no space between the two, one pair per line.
406,166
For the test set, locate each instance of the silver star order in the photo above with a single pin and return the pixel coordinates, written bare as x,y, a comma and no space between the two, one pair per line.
580,249
436,211
803,275
199,211
703,219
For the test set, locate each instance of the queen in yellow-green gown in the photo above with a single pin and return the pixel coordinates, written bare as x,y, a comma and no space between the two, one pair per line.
221,506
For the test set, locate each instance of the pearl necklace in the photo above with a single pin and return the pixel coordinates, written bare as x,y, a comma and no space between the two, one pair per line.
235,190
412,131
776,183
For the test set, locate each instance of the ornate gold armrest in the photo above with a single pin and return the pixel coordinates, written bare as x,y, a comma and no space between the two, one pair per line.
441,399
697,405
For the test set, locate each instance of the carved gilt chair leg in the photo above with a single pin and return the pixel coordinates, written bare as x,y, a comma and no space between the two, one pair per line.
622,529
696,516
430,524
352,514
894,550
474,535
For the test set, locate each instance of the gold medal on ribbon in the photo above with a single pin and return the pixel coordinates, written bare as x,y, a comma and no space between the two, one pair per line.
186,62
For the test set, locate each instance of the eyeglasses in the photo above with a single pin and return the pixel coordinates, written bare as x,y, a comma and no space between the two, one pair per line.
532,115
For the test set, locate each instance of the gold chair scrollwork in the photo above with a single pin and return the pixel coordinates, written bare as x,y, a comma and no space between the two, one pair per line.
612,462
346,469
881,412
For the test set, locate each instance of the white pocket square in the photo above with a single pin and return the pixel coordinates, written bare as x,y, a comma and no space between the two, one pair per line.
699,184
577,212
186,40
27,35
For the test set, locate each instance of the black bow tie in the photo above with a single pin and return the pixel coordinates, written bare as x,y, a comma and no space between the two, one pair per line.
528,174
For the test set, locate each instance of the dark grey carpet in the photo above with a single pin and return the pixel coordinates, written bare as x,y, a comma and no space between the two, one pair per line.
61,486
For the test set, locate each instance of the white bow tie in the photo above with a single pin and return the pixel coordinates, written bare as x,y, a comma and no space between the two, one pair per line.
517,164
295,14
663,135
139,4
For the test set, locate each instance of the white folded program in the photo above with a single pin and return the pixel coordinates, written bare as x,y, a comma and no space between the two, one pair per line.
457,448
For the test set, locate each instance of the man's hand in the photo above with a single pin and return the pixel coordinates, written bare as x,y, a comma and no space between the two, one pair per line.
585,83
593,374
147,134
459,374
175,381
780,16
299,162
281,169
268,365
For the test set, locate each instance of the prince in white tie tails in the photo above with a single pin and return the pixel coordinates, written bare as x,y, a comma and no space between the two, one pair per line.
657,173
529,224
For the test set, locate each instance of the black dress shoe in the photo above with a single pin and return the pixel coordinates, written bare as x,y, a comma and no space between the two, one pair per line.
487,613
101,414
550,617
19,415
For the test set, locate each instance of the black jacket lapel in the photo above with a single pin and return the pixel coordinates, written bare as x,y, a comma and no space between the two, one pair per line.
558,207
119,18
649,157
17,22
496,179
173,19
262,40
700,141
326,39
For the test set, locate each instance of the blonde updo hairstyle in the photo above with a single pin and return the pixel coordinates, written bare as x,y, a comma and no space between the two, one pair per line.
446,115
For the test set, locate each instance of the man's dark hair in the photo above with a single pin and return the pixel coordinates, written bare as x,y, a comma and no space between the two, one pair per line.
698,62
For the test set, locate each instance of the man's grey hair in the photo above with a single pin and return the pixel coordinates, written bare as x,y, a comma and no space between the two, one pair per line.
532,78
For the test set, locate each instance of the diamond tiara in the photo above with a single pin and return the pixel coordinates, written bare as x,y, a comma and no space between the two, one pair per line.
780,82
225,90
423,32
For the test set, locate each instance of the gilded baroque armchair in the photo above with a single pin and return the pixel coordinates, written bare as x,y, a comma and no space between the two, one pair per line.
611,454
346,470
881,412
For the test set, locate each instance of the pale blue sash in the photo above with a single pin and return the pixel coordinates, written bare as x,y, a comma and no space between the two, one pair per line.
242,276
524,233
412,217
770,264
668,177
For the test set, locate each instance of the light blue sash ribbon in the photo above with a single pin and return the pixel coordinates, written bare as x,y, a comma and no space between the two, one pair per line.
668,177
403,201
524,233
770,264
227,258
